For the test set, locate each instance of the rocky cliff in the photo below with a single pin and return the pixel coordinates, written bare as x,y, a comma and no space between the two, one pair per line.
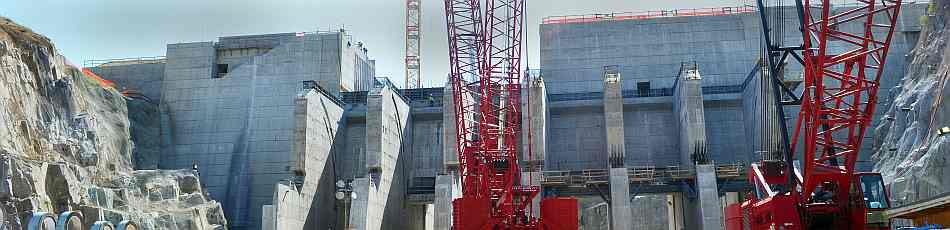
911,151
65,147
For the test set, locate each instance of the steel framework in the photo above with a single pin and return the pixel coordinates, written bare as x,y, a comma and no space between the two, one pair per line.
841,89
485,68
413,42
844,54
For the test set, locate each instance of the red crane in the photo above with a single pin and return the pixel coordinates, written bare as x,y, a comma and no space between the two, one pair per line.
844,53
485,68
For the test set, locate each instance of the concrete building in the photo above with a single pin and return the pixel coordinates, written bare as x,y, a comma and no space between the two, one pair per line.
228,106
648,133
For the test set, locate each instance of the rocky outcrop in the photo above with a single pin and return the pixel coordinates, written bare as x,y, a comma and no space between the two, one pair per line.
65,146
910,150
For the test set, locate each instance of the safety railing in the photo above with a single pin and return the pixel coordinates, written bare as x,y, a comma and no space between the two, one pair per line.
644,175
134,60
586,18
661,92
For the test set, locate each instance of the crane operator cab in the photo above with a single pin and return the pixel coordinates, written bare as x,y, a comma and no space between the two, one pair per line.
870,200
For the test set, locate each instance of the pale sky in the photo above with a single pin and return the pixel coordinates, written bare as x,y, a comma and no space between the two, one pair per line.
105,29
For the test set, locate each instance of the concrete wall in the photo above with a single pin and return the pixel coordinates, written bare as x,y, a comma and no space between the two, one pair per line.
572,55
145,76
237,126
309,201
725,49
381,192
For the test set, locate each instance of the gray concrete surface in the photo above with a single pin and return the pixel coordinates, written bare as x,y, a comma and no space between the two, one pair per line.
383,189
446,190
690,116
306,200
620,215
709,206
613,117
240,135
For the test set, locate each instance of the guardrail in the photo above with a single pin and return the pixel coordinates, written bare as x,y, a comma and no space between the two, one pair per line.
643,175
585,18
100,62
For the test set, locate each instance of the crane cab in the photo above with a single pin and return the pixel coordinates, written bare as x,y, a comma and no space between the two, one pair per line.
869,201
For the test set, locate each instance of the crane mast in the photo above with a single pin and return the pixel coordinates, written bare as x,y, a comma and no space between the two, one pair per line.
413,44
843,55
485,76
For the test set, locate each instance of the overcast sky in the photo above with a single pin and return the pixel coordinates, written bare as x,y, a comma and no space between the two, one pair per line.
105,29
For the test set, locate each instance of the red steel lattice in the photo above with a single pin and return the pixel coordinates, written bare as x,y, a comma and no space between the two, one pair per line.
841,84
485,73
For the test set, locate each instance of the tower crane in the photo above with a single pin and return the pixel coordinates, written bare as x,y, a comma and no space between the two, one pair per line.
843,52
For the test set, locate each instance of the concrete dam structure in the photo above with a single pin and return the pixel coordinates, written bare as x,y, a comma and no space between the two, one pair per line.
648,119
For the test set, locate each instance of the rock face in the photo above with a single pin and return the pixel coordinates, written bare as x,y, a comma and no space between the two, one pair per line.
65,145
910,151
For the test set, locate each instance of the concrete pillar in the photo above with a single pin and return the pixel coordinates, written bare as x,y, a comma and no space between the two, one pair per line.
446,190
674,211
358,213
710,208
535,118
380,194
688,107
421,217
730,198
533,179
619,199
268,217
449,146
535,122
613,114
317,119
447,186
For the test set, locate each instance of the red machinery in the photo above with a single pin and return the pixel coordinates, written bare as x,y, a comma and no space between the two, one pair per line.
843,54
485,67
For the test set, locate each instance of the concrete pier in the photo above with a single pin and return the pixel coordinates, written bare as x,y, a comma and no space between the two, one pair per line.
379,201
710,208
613,116
619,199
446,190
317,118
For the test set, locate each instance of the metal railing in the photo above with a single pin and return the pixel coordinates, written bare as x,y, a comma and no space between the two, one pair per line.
585,18
645,175
632,93
133,60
